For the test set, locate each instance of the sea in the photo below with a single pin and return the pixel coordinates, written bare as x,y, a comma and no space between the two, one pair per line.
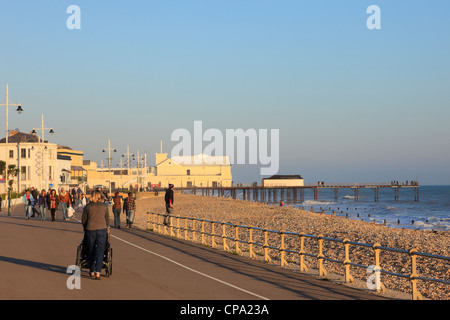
431,212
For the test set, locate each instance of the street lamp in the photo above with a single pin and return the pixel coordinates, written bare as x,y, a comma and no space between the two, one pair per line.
41,171
19,111
109,162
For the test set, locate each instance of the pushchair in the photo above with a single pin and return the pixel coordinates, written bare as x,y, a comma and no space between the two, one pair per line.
83,259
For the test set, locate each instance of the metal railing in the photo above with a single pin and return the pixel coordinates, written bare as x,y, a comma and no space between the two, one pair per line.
209,232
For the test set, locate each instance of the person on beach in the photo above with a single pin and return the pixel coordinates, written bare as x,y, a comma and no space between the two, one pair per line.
53,203
168,198
64,200
28,202
117,206
129,206
95,221
42,203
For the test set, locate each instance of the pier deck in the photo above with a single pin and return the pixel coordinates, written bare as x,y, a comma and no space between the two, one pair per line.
297,193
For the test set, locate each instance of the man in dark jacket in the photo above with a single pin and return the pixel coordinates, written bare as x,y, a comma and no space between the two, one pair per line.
169,204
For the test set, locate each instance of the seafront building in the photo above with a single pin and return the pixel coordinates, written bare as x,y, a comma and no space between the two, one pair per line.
200,170
33,162
45,165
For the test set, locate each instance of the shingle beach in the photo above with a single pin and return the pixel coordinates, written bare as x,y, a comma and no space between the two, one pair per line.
292,219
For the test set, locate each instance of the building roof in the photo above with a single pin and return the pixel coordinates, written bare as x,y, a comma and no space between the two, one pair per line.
284,177
17,136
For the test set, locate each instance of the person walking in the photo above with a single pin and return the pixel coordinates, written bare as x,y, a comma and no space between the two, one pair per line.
95,221
35,196
53,203
117,208
28,201
129,206
64,200
168,198
42,203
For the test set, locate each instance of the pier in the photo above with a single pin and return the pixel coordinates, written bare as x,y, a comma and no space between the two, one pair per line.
297,194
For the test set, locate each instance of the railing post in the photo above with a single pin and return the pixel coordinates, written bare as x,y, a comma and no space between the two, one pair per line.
377,250
236,239
250,243
148,221
413,277
171,226
203,231
266,247
348,277
282,250
185,228
178,228
213,237
302,252
194,237
320,256
224,237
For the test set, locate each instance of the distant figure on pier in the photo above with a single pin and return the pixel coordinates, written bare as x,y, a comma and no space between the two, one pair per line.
281,203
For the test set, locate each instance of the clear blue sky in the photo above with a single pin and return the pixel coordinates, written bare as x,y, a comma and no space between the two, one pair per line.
352,104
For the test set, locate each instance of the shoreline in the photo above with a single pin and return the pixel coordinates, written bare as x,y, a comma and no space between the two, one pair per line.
296,220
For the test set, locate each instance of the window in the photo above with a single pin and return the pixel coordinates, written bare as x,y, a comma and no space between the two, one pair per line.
23,172
11,154
23,153
189,172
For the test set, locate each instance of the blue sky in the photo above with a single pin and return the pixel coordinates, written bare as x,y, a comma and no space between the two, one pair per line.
351,104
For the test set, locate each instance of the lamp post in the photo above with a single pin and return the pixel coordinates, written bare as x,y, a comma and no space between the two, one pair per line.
41,172
109,162
19,111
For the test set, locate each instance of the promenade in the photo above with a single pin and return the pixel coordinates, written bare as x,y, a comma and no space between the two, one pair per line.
34,257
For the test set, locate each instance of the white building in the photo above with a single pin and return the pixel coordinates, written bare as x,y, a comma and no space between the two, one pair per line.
283,181
35,160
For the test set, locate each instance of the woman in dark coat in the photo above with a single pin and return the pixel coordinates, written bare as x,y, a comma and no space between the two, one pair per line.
95,221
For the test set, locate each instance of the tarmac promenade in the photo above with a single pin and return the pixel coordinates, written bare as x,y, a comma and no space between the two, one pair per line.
35,255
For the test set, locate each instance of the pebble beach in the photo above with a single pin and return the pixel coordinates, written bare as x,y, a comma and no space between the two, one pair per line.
295,220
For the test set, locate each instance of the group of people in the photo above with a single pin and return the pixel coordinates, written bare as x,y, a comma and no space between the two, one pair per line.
38,204
95,217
